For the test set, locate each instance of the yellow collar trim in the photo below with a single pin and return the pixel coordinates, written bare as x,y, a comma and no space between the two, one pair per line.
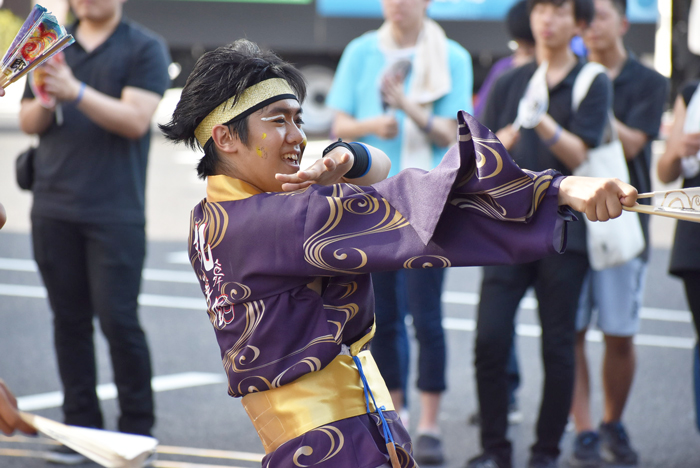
221,188
251,97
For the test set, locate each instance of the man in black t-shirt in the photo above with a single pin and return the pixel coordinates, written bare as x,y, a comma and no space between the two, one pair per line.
616,293
88,221
560,140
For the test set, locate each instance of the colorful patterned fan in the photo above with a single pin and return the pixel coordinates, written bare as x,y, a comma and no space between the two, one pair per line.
40,38
681,204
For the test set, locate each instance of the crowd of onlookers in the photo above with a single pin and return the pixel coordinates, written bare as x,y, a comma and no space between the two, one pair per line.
625,103
398,89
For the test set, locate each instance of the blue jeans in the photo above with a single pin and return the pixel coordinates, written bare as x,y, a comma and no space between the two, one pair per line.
417,292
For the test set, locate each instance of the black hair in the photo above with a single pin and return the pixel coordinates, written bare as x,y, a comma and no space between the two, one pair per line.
218,76
583,9
518,23
620,6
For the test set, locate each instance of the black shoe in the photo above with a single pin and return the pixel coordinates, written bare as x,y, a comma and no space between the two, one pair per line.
540,460
615,444
586,452
64,455
428,450
487,460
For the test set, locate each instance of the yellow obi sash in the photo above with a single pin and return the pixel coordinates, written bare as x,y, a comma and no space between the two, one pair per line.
318,398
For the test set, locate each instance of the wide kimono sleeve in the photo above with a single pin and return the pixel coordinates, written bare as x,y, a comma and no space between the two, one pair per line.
476,208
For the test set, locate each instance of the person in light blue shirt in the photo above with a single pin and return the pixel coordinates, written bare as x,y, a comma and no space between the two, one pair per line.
356,92
399,89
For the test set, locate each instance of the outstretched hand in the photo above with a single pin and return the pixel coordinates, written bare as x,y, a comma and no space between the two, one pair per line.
600,199
10,419
328,170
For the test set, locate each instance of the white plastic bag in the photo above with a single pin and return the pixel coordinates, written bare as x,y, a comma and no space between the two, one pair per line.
617,241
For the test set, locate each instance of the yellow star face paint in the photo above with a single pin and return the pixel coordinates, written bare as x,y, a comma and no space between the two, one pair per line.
259,151
264,136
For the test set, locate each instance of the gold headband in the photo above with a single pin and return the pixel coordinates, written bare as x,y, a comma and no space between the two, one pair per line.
257,96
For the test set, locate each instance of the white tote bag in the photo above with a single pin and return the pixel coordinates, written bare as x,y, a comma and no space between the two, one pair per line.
618,240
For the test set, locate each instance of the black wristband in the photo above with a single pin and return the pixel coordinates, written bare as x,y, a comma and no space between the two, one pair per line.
360,156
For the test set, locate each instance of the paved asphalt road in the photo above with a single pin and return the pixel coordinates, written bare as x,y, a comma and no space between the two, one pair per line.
200,426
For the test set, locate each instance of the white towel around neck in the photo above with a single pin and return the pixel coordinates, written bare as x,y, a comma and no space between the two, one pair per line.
431,80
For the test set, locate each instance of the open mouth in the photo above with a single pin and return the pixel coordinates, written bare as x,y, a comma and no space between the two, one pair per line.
291,158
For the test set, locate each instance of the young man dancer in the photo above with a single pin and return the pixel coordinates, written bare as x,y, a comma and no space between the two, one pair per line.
616,293
283,255
559,139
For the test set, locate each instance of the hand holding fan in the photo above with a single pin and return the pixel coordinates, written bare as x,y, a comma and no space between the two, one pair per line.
39,38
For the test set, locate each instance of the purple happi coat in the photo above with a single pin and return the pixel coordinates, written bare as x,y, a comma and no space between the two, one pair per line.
259,255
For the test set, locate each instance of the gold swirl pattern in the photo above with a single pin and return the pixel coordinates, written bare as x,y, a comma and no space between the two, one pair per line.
351,288
245,291
314,364
235,361
368,205
486,205
350,310
681,200
408,264
485,201
216,223
315,245
481,159
542,183
251,388
337,441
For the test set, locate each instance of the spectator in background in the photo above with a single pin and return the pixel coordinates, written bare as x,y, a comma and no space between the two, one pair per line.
518,24
88,221
681,160
560,138
399,89
617,293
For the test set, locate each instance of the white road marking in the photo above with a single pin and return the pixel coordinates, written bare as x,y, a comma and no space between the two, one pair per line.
161,383
179,257
535,331
149,274
176,302
19,290
448,297
530,303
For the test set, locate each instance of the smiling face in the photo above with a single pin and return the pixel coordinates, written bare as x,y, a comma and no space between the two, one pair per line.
554,26
275,145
